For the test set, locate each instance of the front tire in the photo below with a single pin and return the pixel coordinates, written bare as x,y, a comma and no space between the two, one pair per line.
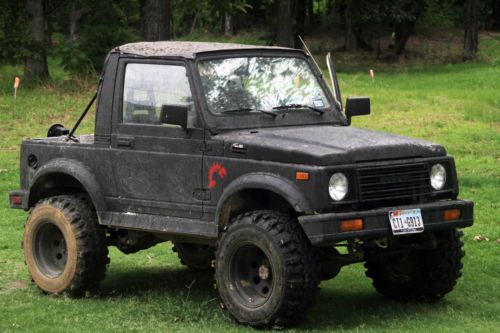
419,275
265,269
64,247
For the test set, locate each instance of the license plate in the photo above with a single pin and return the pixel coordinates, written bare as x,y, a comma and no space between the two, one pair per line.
406,221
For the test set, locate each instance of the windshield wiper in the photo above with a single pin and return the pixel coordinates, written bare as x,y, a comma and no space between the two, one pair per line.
270,113
298,106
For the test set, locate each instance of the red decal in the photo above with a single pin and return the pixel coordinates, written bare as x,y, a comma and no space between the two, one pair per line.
215,168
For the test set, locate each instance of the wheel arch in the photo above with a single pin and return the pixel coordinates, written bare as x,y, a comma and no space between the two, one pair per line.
62,175
260,191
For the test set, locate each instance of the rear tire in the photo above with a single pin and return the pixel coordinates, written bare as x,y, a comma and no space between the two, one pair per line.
64,247
266,270
419,275
195,256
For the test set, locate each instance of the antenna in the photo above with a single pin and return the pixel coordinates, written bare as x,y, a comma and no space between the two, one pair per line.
334,80
310,54
84,113
330,71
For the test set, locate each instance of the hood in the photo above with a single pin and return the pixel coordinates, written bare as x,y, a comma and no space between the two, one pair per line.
324,145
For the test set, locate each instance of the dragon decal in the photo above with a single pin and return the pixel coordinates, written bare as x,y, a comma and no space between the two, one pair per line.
216,168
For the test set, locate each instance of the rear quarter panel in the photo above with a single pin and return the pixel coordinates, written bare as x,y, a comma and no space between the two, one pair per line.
94,157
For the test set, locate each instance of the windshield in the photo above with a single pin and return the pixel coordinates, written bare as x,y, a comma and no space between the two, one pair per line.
256,84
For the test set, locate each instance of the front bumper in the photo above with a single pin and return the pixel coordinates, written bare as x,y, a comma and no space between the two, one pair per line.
324,229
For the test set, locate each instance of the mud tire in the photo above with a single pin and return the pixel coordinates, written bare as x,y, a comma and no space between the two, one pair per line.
64,247
434,272
291,266
197,257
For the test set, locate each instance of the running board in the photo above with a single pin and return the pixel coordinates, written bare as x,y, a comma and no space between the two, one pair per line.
159,224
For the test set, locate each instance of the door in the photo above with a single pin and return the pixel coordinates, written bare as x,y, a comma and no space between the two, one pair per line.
157,167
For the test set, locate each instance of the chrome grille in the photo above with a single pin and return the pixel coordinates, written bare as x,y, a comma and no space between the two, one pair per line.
395,181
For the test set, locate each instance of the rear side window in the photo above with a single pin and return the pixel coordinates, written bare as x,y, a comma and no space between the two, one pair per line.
148,87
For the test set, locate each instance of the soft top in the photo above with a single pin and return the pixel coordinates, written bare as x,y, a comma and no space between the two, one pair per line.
185,49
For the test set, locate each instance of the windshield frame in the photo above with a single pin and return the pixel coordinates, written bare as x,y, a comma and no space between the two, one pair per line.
251,120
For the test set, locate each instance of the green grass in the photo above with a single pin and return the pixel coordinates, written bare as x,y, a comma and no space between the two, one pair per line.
455,105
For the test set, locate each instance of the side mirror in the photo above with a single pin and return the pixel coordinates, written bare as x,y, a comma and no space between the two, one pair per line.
174,115
357,106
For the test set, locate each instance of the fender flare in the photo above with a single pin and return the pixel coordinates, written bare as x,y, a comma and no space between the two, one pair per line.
266,181
77,170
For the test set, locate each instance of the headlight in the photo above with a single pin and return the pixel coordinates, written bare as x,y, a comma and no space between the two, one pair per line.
338,186
438,176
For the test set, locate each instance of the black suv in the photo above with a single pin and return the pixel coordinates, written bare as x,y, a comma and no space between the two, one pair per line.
242,157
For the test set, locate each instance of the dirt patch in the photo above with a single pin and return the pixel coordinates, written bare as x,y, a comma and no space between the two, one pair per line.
18,284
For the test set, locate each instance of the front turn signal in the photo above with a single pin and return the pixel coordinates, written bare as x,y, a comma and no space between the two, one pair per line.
452,214
351,225
300,175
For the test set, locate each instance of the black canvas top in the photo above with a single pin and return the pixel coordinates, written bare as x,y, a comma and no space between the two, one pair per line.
183,49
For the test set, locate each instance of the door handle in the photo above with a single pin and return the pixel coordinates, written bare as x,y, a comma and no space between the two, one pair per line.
125,141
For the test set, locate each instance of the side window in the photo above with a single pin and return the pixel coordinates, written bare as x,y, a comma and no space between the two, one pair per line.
148,87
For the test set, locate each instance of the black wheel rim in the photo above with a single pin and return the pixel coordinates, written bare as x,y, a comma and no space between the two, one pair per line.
251,275
403,267
50,250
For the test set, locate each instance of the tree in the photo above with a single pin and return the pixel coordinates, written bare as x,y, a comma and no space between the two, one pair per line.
102,26
285,24
229,11
310,14
349,41
258,11
471,39
35,65
228,22
300,21
404,14
156,17
14,34
495,14
358,16
76,15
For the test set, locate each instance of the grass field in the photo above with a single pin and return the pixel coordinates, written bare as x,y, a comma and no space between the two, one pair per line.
455,105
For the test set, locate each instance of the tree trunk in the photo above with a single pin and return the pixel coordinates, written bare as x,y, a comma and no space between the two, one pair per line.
75,18
350,38
228,23
404,29
362,41
330,7
471,39
300,22
495,14
156,15
310,15
35,66
402,32
193,24
285,24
